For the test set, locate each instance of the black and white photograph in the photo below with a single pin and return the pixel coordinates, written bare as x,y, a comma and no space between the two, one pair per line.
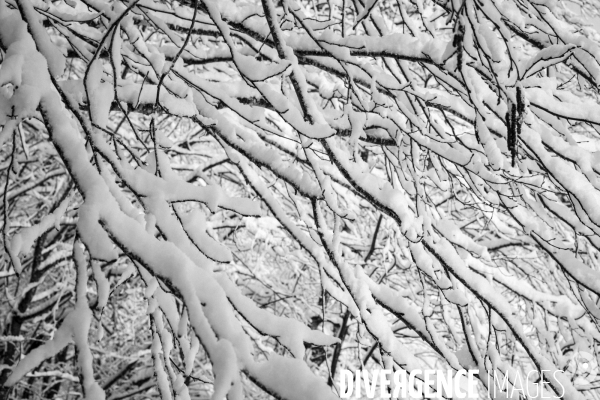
299,199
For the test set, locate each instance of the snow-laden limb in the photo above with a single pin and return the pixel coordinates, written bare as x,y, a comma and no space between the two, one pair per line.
24,240
290,333
74,329
62,337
